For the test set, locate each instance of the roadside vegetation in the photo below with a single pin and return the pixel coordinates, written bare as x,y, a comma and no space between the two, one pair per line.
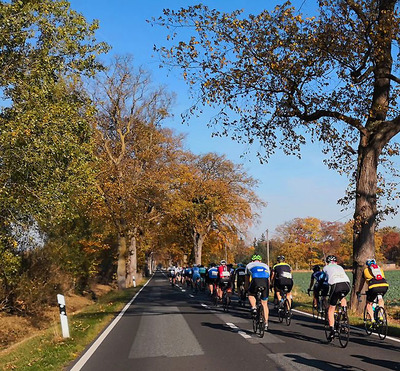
48,350
96,190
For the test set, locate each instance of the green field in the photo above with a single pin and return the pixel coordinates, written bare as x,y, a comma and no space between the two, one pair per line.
392,297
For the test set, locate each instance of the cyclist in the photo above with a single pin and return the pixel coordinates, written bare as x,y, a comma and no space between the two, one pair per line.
212,275
257,275
196,277
224,278
238,281
318,285
281,279
339,284
377,285
203,271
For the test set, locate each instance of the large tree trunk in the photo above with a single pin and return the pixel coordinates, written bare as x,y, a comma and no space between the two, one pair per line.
198,240
365,214
121,268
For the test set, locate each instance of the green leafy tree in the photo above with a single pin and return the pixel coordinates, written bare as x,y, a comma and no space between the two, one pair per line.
279,78
45,138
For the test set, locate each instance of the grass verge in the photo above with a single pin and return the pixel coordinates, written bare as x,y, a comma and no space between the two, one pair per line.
303,302
50,351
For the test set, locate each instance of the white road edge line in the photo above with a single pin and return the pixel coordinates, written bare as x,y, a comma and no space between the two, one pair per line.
100,339
352,327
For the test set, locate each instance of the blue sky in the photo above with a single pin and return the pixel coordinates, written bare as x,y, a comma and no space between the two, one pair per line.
291,187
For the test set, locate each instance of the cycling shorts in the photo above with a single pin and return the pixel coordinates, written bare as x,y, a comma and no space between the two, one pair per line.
338,291
283,285
259,282
224,284
375,291
321,290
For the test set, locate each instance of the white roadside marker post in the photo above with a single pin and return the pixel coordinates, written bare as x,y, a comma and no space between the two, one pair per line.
63,316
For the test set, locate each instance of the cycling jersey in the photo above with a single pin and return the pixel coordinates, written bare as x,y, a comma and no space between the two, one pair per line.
223,273
196,273
202,271
335,274
212,273
257,270
373,281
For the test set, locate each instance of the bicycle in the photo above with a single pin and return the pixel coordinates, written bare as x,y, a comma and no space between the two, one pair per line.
284,309
341,326
258,318
214,296
320,310
380,319
226,298
242,295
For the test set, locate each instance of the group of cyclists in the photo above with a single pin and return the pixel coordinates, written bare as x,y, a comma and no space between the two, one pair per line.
331,282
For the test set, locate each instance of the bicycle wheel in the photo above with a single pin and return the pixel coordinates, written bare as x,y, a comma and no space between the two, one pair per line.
344,330
327,328
315,313
261,321
255,323
288,312
381,321
367,322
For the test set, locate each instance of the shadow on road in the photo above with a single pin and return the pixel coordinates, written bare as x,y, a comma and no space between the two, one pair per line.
391,365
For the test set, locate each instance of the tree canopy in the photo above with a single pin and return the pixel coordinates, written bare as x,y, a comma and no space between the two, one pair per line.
280,78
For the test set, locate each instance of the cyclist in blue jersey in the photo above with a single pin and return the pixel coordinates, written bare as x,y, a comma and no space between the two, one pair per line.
212,276
196,276
257,275
318,284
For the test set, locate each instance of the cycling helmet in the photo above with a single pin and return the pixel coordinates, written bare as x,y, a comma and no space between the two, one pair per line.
280,259
331,258
316,268
223,262
256,257
240,265
369,262
212,264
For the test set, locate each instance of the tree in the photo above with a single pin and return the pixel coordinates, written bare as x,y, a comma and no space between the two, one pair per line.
278,78
45,141
214,194
135,155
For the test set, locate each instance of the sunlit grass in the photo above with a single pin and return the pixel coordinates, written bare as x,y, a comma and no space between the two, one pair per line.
49,351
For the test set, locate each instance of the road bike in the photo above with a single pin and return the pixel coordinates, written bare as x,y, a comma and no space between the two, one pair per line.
258,316
284,309
214,296
379,324
226,297
341,326
242,295
319,311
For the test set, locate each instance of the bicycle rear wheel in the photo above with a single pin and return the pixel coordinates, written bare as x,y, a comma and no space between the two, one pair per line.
315,312
261,321
381,321
327,329
288,312
344,330
367,322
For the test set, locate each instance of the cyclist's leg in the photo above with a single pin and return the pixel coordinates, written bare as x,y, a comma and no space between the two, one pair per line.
332,300
264,301
381,293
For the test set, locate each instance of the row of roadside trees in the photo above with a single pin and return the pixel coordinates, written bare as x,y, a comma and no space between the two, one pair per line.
308,241
92,184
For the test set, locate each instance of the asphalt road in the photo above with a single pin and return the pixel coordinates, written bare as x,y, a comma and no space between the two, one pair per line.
171,328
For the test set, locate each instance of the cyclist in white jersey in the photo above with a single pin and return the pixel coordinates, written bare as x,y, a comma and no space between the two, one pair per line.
339,284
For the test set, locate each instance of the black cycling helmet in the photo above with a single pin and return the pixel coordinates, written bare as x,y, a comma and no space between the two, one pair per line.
331,258
212,264
280,259
316,268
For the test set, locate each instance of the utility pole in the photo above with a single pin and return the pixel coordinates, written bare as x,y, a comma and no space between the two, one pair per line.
267,249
